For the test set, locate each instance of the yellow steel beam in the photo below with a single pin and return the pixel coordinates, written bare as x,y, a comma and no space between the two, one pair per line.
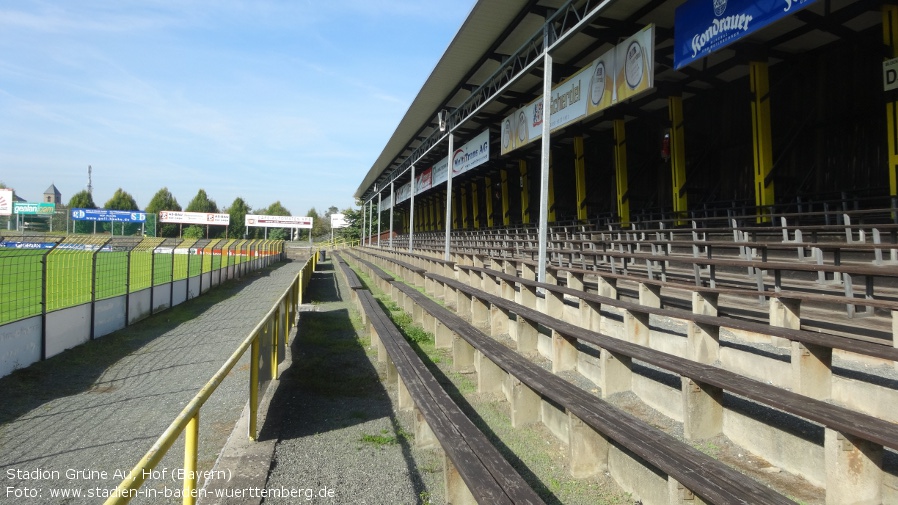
475,207
506,208
464,208
762,139
620,167
488,185
580,177
678,158
890,38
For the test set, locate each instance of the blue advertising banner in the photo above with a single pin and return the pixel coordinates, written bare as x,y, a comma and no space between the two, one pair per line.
117,216
704,26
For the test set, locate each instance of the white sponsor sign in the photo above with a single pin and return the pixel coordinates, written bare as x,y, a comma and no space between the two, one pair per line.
278,221
5,202
338,221
889,78
167,216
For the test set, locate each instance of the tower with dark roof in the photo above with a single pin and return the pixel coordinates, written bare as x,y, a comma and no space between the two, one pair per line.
52,195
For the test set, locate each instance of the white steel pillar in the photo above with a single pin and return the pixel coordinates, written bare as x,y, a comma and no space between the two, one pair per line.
449,195
392,204
411,216
544,163
379,212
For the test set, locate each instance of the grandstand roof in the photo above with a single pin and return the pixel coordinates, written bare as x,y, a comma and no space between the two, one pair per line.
496,29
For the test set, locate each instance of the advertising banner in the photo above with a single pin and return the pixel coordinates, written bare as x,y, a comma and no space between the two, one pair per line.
634,60
385,202
623,72
404,192
278,221
169,216
117,216
423,181
471,155
704,26
29,208
339,221
6,202
602,93
440,172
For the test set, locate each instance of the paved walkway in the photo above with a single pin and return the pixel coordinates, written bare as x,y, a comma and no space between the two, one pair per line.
78,422
332,434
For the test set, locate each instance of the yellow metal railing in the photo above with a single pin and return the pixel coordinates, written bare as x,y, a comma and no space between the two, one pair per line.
269,335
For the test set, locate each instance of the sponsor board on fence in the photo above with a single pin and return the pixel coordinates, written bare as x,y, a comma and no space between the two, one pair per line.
278,221
339,221
168,216
33,208
117,216
6,197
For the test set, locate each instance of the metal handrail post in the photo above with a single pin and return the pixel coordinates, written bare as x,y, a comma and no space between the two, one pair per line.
191,445
254,387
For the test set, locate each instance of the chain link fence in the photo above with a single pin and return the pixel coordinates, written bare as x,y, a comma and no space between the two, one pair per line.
42,273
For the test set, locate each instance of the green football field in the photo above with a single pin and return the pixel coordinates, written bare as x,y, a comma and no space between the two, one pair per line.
70,275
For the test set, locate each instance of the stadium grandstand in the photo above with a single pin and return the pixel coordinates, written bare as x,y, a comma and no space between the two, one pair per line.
586,172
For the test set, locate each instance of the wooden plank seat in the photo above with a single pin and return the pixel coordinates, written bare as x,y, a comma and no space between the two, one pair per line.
841,420
411,273
382,278
352,281
695,471
487,475
816,292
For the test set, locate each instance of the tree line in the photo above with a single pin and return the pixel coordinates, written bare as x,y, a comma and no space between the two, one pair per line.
164,200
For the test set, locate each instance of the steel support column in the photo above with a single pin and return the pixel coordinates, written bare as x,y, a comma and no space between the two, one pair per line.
448,199
411,215
506,208
488,186
620,167
475,207
580,178
545,168
762,139
525,191
678,158
890,39
392,205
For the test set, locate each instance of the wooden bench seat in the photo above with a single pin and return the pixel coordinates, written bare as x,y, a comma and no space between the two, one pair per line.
832,416
696,471
487,475
807,337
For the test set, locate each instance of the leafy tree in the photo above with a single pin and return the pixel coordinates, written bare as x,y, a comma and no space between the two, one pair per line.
202,203
164,200
82,200
278,234
122,200
353,219
238,211
275,209
194,231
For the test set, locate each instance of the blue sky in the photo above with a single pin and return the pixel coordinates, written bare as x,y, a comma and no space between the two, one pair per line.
288,101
